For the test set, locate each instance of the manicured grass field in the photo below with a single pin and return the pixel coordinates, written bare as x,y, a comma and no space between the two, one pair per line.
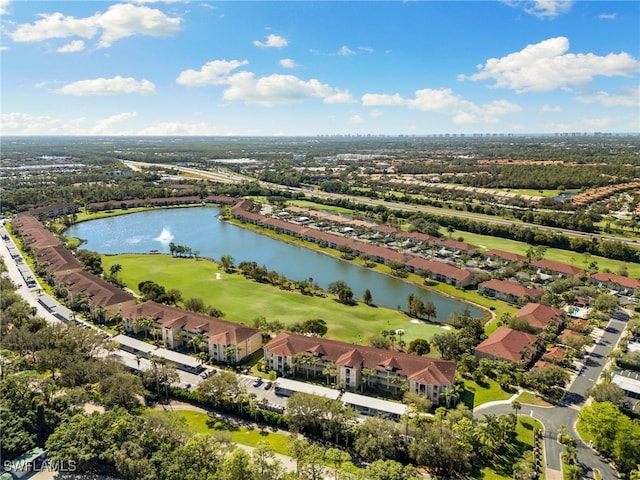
564,256
472,296
535,193
319,206
529,398
475,394
197,423
244,300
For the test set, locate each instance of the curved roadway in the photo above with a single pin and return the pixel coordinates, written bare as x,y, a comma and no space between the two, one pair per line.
566,413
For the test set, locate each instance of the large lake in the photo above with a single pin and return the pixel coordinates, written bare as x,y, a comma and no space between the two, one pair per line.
200,229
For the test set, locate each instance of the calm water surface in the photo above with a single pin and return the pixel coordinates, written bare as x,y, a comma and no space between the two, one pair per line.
200,229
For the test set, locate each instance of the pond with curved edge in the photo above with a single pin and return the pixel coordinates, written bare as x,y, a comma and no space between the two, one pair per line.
200,229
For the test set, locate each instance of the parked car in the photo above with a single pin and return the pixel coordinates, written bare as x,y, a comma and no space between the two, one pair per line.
267,385
257,382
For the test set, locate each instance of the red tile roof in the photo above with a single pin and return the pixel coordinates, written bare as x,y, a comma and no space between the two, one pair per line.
440,268
621,280
558,267
555,354
512,288
508,256
507,344
538,315
420,369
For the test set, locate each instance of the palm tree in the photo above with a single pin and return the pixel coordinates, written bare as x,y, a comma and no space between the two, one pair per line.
115,269
227,262
198,341
231,353
178,339
142,323
367,373
330,370
155,332
516,405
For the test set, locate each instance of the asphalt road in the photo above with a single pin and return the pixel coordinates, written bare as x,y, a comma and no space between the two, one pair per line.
566,413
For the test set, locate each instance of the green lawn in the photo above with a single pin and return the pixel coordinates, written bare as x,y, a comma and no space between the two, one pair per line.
472,296
535,193
243,300
475,394
564,256
197,423
502,467
528,398
318,206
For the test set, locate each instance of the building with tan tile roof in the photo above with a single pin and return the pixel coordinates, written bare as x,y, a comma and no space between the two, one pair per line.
226,341
290,352
33,233
101,294
58,259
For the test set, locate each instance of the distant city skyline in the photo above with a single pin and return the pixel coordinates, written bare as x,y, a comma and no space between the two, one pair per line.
302,68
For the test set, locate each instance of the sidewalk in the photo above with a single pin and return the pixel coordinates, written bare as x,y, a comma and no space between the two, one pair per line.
498,402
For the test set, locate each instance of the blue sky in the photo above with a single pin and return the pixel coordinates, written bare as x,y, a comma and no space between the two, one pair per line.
319,68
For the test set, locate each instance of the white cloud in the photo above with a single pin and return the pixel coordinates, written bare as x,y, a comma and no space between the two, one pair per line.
287,63
71,47
4,6
119,21
270,90
180,128
273,41
345,51
158,1
280,89
608,16
356,119
552,109
380,100
546,66
108,86
106,126
17,123
339,96
629,98
25,124
440,100
3,48
211,73
445,102
542,8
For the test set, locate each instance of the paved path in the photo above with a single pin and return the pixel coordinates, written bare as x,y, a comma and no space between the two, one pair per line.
288,463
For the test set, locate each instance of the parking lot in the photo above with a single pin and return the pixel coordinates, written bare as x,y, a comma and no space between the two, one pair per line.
247,382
